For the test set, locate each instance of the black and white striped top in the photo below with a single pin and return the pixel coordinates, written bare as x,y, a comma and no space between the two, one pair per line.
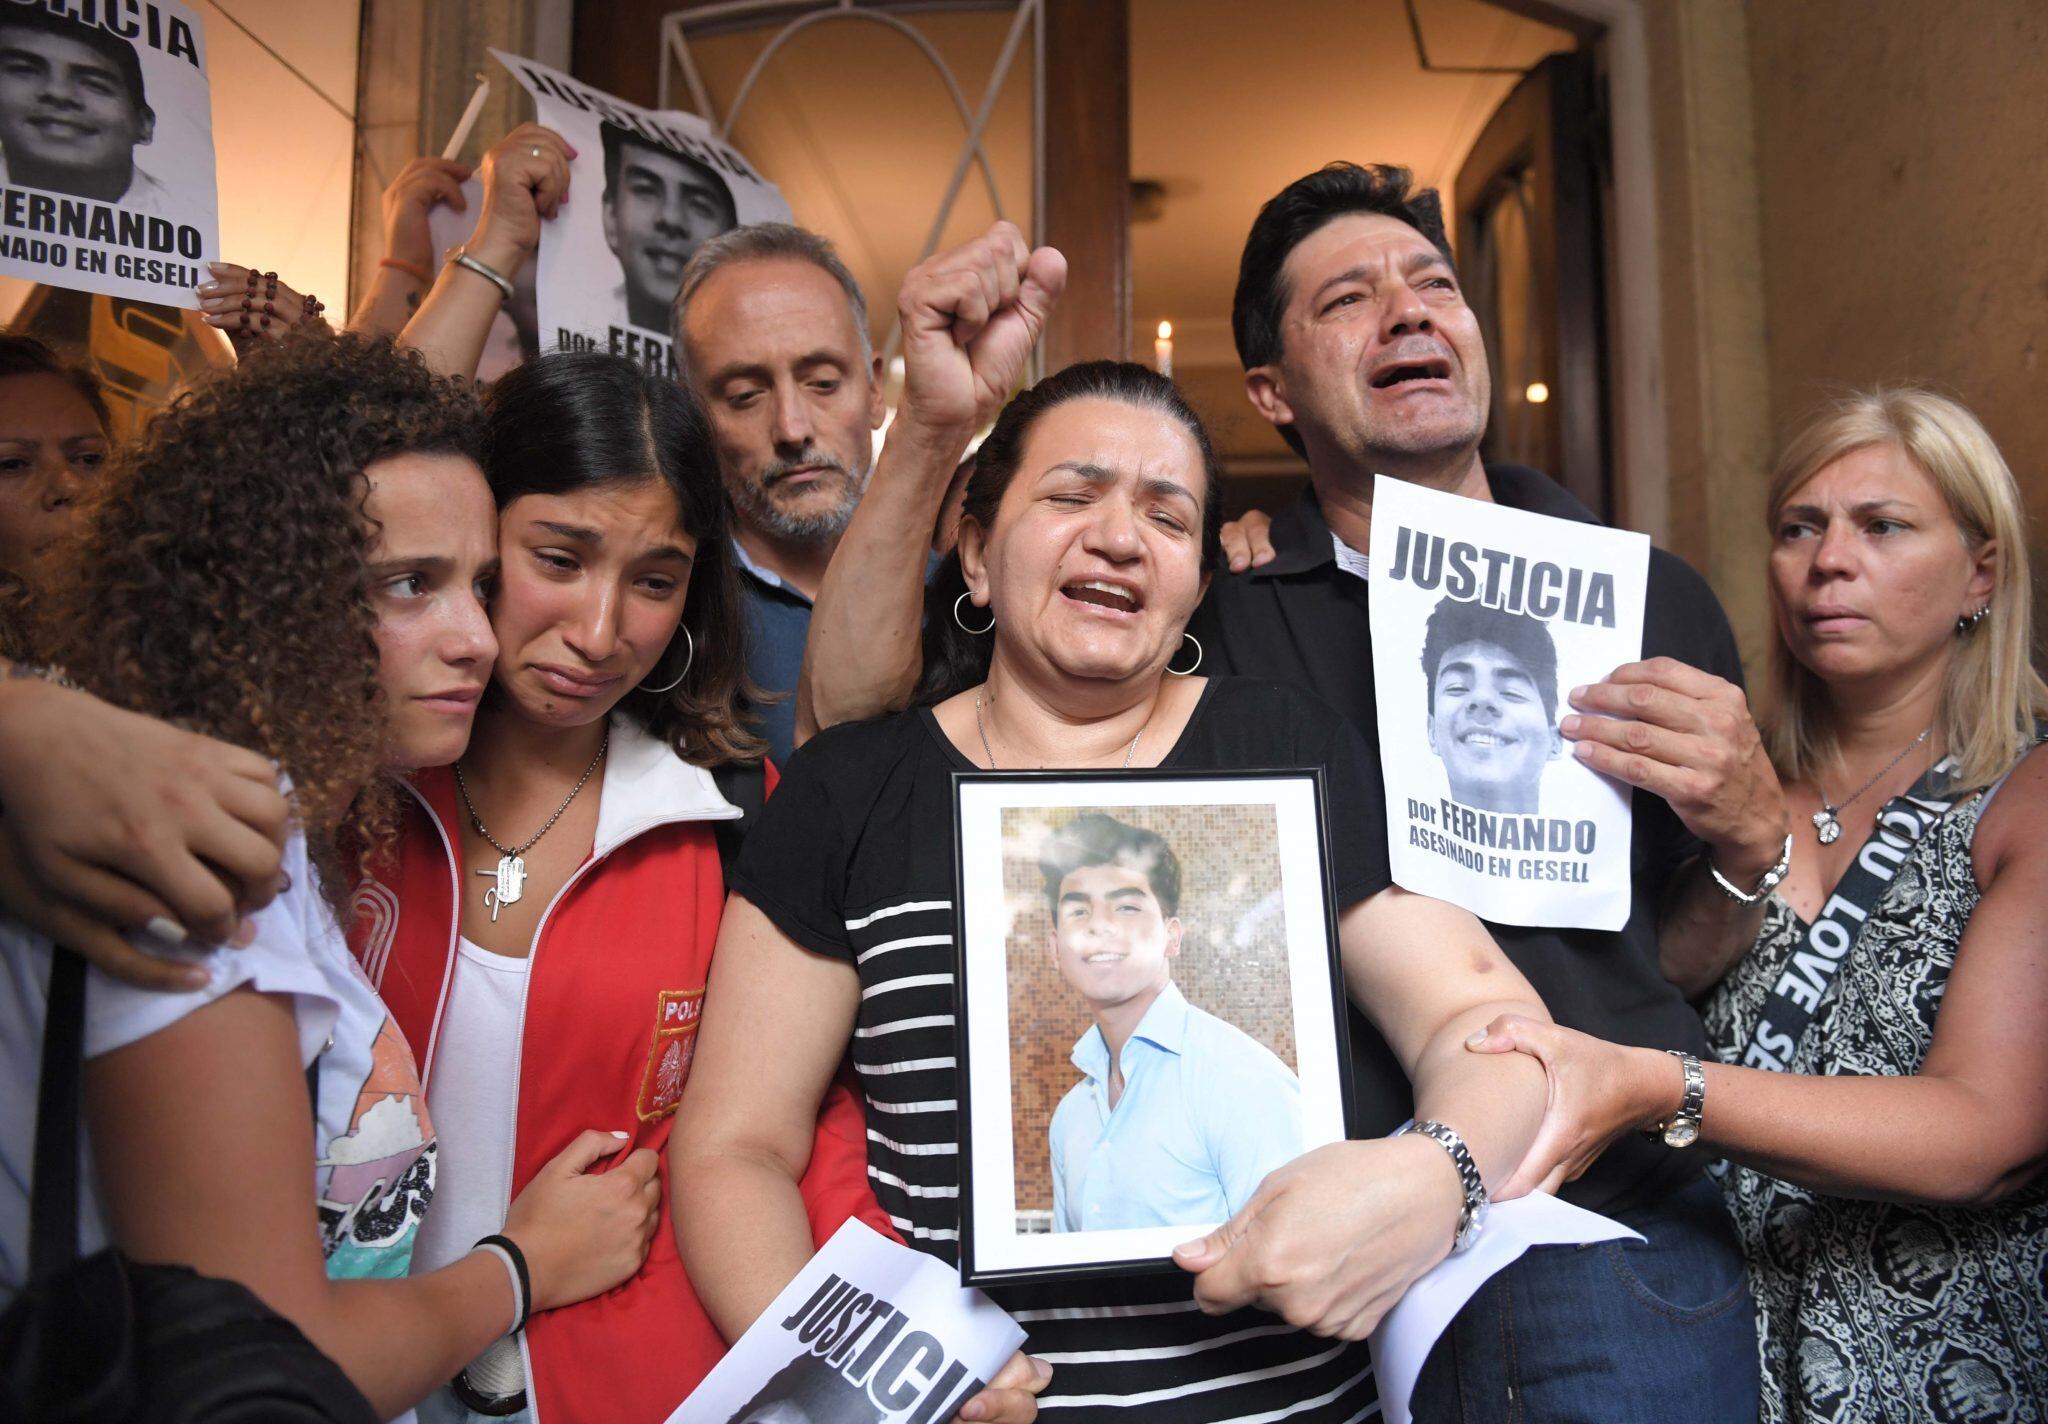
853,858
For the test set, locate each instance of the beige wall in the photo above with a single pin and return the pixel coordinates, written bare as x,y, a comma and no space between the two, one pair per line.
1847,192
1710,379
1902,165
285,156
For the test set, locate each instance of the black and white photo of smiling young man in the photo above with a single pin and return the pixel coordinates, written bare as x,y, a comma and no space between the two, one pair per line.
1492,680
659,207
73,111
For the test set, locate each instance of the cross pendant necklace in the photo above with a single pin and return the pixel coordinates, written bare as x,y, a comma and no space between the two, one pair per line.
1826,824
508,876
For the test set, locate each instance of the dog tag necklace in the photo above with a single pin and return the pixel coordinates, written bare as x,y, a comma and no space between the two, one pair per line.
1825,824
509,875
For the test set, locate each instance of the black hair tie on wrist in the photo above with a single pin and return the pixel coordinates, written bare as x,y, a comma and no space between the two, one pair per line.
511,1249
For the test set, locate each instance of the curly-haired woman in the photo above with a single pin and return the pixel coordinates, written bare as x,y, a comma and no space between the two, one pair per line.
546,925
1882,1092
126,821
290,560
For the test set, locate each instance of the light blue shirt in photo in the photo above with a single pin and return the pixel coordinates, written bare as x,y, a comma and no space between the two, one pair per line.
1206,1112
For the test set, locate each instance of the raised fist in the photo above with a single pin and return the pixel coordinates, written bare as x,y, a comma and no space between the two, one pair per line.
970,318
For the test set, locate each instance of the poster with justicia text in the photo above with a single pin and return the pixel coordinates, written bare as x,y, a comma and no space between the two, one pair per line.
1483,621
106,147
647,187
869,1332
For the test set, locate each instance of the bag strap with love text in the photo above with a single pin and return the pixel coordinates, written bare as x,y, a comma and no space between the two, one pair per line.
1790,1007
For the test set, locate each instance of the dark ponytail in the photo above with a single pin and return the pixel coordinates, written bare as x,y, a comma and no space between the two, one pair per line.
954,659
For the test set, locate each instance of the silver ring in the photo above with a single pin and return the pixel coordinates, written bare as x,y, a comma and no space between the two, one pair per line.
535,150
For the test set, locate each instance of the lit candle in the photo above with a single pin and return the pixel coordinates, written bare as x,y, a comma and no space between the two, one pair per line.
1162,350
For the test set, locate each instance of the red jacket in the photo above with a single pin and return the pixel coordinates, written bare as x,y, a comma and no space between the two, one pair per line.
613,993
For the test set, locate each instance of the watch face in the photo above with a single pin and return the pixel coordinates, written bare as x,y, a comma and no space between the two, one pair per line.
1683,1132
1468,1233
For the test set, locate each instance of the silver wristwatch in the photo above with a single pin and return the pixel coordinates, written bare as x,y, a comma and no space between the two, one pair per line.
1473,1216
1773,878
1682,1128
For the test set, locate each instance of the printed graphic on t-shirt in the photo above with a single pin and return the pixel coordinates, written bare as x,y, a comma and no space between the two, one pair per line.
676,1012
373,926
379,1174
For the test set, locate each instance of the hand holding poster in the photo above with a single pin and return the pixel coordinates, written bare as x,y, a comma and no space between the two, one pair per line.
514,333
650,186
106,148
1482,617
868,1332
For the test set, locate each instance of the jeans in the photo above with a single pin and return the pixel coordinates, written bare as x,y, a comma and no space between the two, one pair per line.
1613,1333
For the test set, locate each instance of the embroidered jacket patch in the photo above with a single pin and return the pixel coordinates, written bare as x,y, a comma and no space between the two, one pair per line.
676,1014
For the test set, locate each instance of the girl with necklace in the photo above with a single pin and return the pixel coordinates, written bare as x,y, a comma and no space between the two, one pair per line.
545,926
289,560
1879,1092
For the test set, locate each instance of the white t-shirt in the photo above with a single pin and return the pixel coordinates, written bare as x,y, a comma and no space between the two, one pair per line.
375,1161
473,1101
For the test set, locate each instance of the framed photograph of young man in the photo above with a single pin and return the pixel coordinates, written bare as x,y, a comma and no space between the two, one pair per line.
1152,1012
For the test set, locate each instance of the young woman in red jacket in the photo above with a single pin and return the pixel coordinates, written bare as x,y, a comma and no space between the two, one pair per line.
543,930
289,559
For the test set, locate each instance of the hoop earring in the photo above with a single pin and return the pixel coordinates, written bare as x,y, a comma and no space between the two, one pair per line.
1188,671
971,632
1969,621
688,658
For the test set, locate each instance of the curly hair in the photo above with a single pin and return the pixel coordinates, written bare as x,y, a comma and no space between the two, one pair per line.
219,579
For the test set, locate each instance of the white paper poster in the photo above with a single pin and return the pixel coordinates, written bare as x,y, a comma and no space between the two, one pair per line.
106,148
1405,1335
514,334
646,187
1483,621
869,1332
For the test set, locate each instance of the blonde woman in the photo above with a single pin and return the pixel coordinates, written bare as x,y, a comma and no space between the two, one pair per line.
1882,1092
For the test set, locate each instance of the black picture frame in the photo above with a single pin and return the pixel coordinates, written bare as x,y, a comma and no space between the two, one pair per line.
1298,796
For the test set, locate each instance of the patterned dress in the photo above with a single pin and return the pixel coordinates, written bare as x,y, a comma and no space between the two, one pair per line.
1876,1311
